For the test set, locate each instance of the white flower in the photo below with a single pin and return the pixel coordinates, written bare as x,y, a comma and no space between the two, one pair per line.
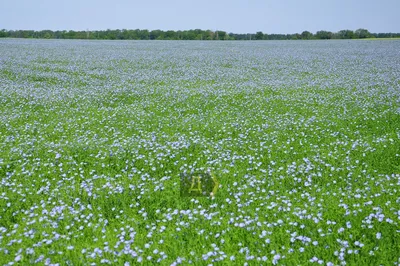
378,235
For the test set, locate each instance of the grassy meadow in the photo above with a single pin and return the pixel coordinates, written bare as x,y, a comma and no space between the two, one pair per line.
303,137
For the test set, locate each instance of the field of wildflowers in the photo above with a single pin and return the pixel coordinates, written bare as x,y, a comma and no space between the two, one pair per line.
303,137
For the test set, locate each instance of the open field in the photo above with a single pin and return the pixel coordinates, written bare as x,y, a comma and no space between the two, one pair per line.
304,138
381,39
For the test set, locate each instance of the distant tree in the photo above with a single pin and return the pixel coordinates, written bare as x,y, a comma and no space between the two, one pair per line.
196,34
124,34
171,35
58,34
306,35
236,36
179,35
295,36
345,34
3,33
47,34
383,35
386,35
362,33
276,36
143,34
134,34
259,35
154,34
231,36
119,35
208,35
323,35
220,35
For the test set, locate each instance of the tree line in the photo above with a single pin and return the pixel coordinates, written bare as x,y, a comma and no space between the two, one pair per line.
196,34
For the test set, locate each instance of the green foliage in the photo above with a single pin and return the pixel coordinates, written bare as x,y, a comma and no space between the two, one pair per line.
304,140
324,35
196,34
259,35
362,33
306,35
345,34
3,33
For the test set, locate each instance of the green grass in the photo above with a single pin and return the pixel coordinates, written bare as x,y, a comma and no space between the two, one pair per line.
93,161
380,39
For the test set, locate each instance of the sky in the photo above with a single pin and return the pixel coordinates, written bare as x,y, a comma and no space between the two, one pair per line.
250,16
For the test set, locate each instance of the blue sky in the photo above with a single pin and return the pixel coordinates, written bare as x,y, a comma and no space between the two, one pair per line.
268,16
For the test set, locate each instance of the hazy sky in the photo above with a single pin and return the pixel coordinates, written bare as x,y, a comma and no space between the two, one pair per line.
268,16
